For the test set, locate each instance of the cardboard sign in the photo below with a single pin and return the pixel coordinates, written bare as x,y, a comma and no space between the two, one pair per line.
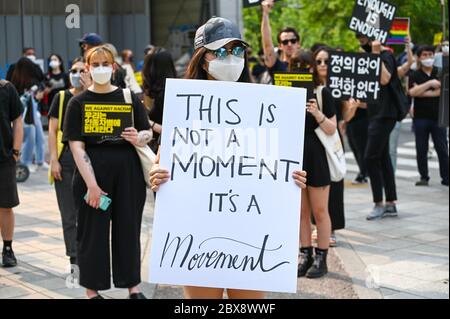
106,119
373,18
296,80
354,75
229,215
253,3
399,31
443,103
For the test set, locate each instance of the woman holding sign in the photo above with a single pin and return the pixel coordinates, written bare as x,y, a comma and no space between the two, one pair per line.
220,55
109,184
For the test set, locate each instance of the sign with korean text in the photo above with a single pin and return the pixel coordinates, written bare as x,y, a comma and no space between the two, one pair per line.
229,215
297,80
354,75
101,119
373,18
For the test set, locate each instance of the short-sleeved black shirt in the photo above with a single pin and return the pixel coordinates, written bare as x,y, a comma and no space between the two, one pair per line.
425,107
385,107
329,110
54,108
279,66
10,109
73,118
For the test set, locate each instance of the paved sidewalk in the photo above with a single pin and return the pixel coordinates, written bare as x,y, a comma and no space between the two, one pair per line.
398,258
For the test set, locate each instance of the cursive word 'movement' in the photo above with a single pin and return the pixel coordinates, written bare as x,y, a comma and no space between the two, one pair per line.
179,253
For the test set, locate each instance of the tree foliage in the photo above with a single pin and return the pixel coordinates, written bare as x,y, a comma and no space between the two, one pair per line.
326,21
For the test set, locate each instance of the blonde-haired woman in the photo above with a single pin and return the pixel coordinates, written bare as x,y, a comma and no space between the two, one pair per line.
107,165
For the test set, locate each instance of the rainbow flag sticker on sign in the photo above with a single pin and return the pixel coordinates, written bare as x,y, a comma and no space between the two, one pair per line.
399,31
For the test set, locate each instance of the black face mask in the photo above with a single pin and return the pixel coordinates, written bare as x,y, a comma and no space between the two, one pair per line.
367,47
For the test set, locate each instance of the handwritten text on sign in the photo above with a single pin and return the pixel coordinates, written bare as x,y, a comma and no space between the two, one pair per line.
229,216
373,18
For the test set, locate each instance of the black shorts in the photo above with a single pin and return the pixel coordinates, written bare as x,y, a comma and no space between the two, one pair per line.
9,197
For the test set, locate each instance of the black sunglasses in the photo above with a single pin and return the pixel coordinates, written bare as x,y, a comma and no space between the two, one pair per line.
319,62
286,42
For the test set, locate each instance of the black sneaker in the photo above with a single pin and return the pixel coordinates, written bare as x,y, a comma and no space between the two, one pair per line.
360,180
390,211
422,182
8,258
137,295
445,183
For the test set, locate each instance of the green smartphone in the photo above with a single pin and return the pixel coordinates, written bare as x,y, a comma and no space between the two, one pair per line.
105,201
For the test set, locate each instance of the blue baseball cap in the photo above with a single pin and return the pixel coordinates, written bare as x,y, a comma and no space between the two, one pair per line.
91,39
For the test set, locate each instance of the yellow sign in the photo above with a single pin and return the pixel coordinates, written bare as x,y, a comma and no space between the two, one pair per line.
437,38
106,119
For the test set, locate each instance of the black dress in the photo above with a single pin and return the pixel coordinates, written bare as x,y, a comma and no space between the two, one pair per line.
314,157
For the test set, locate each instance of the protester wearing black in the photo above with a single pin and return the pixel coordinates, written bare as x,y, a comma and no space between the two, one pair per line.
356,128
11,135
425,88
107,166
62,166
321,113
158,67
288,43
57,79
382,119
37,74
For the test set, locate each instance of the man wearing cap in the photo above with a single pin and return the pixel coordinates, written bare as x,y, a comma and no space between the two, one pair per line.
89,41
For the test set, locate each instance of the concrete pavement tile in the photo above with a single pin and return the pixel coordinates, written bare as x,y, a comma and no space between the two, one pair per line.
18,234
15,291
19,269
34,296
440,243
429,250
30,277
392,244
398,232
32,257
427,227
47,284
403,295
394,281
7,282
430,274
66,293
432,290
427,237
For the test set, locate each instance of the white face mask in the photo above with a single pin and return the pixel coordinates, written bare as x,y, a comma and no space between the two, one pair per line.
54,64
102,74
428,63
414,66
75,80
445,49
31,57
228,69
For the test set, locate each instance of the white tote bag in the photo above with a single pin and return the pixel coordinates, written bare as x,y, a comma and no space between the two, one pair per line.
145,153
333,147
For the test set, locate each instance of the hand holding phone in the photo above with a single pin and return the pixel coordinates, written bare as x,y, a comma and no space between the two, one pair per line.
102,202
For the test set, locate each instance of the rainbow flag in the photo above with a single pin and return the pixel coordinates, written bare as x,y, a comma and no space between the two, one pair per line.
399,31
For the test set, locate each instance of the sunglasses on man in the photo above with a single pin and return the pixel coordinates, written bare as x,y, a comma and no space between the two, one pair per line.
292,41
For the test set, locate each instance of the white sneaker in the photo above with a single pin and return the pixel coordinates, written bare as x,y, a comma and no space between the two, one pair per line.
32,168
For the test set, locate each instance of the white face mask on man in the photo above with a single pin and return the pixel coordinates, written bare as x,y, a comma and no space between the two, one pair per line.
428,63
101,74
228,69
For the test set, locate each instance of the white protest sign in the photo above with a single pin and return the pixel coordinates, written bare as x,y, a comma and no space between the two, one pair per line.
229,216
